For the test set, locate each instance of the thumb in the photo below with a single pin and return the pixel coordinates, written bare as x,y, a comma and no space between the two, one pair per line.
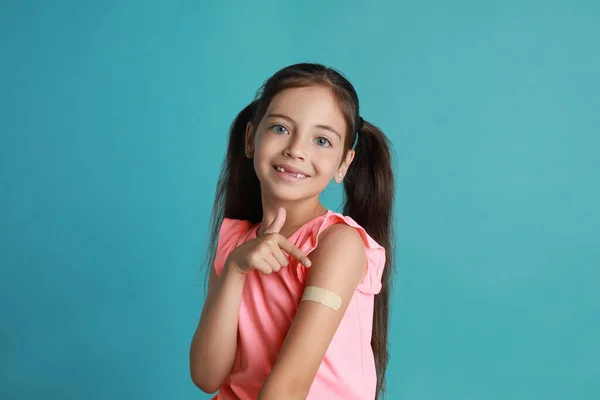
278,222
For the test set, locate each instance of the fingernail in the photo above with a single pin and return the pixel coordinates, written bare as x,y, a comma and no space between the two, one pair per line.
306,262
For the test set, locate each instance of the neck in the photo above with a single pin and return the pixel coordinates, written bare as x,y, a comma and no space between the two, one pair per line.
297,214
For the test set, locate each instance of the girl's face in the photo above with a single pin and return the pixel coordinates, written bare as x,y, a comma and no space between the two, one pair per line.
298,146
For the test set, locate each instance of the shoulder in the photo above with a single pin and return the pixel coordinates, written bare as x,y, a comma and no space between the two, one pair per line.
341,245
339,254
231,233
340,238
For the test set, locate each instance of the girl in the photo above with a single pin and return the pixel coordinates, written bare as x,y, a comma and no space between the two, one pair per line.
277,324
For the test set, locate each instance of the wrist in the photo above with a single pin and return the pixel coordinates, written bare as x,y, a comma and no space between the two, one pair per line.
233,270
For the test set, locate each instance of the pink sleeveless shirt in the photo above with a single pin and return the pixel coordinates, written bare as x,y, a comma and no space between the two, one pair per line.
269,304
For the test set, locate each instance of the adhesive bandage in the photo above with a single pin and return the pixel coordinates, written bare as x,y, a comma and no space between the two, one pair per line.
322,296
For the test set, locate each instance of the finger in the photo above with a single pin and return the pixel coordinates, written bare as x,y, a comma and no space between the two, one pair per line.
281,257
293,251
273,263
262,266
278,222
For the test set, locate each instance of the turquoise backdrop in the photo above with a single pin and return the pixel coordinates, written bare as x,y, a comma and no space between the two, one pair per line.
113,123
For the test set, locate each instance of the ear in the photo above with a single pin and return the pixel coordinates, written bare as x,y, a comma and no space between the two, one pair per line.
345,164
249,149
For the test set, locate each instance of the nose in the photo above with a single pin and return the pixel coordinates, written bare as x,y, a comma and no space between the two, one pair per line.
295,149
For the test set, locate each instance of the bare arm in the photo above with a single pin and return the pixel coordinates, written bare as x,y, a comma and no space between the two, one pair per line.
214,345
338,265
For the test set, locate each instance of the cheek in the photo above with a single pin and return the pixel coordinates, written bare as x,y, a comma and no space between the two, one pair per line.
263,153
326,167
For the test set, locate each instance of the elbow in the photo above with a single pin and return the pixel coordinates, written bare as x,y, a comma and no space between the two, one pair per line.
208,373
205,374
205,382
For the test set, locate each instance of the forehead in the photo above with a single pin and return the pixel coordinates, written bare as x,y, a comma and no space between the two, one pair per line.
314,105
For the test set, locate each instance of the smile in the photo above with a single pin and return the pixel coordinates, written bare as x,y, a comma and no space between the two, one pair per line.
290,174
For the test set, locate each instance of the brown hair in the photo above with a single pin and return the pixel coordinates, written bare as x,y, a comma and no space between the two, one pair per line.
369,182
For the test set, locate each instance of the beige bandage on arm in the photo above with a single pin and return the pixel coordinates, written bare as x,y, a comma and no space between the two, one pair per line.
322,296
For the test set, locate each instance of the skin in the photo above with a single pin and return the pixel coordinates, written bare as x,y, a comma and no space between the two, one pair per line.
303,128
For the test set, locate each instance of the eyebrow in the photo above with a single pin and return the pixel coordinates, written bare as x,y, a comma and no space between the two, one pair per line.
320,126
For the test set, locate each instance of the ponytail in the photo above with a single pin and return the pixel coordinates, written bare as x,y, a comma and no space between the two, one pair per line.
238,189
369,182
369,198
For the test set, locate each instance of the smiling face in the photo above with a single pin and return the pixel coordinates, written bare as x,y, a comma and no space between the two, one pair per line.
299,145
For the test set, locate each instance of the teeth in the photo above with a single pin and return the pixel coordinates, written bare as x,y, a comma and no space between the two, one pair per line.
280,169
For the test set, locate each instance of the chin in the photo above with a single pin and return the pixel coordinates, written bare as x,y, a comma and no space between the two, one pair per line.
286,194
290,193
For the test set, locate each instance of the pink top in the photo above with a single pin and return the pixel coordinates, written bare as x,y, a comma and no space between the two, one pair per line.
269,304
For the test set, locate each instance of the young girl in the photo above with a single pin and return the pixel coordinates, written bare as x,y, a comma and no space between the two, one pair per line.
298,299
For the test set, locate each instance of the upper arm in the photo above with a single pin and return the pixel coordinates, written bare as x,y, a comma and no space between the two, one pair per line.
338,265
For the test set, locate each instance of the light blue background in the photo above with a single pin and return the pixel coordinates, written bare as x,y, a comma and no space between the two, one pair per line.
113,122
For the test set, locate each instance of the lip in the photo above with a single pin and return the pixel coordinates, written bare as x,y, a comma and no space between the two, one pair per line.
291,170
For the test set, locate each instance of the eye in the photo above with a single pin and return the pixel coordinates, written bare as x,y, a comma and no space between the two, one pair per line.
324,142
279,129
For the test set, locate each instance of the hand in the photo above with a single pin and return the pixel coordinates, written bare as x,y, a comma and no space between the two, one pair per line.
265,253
